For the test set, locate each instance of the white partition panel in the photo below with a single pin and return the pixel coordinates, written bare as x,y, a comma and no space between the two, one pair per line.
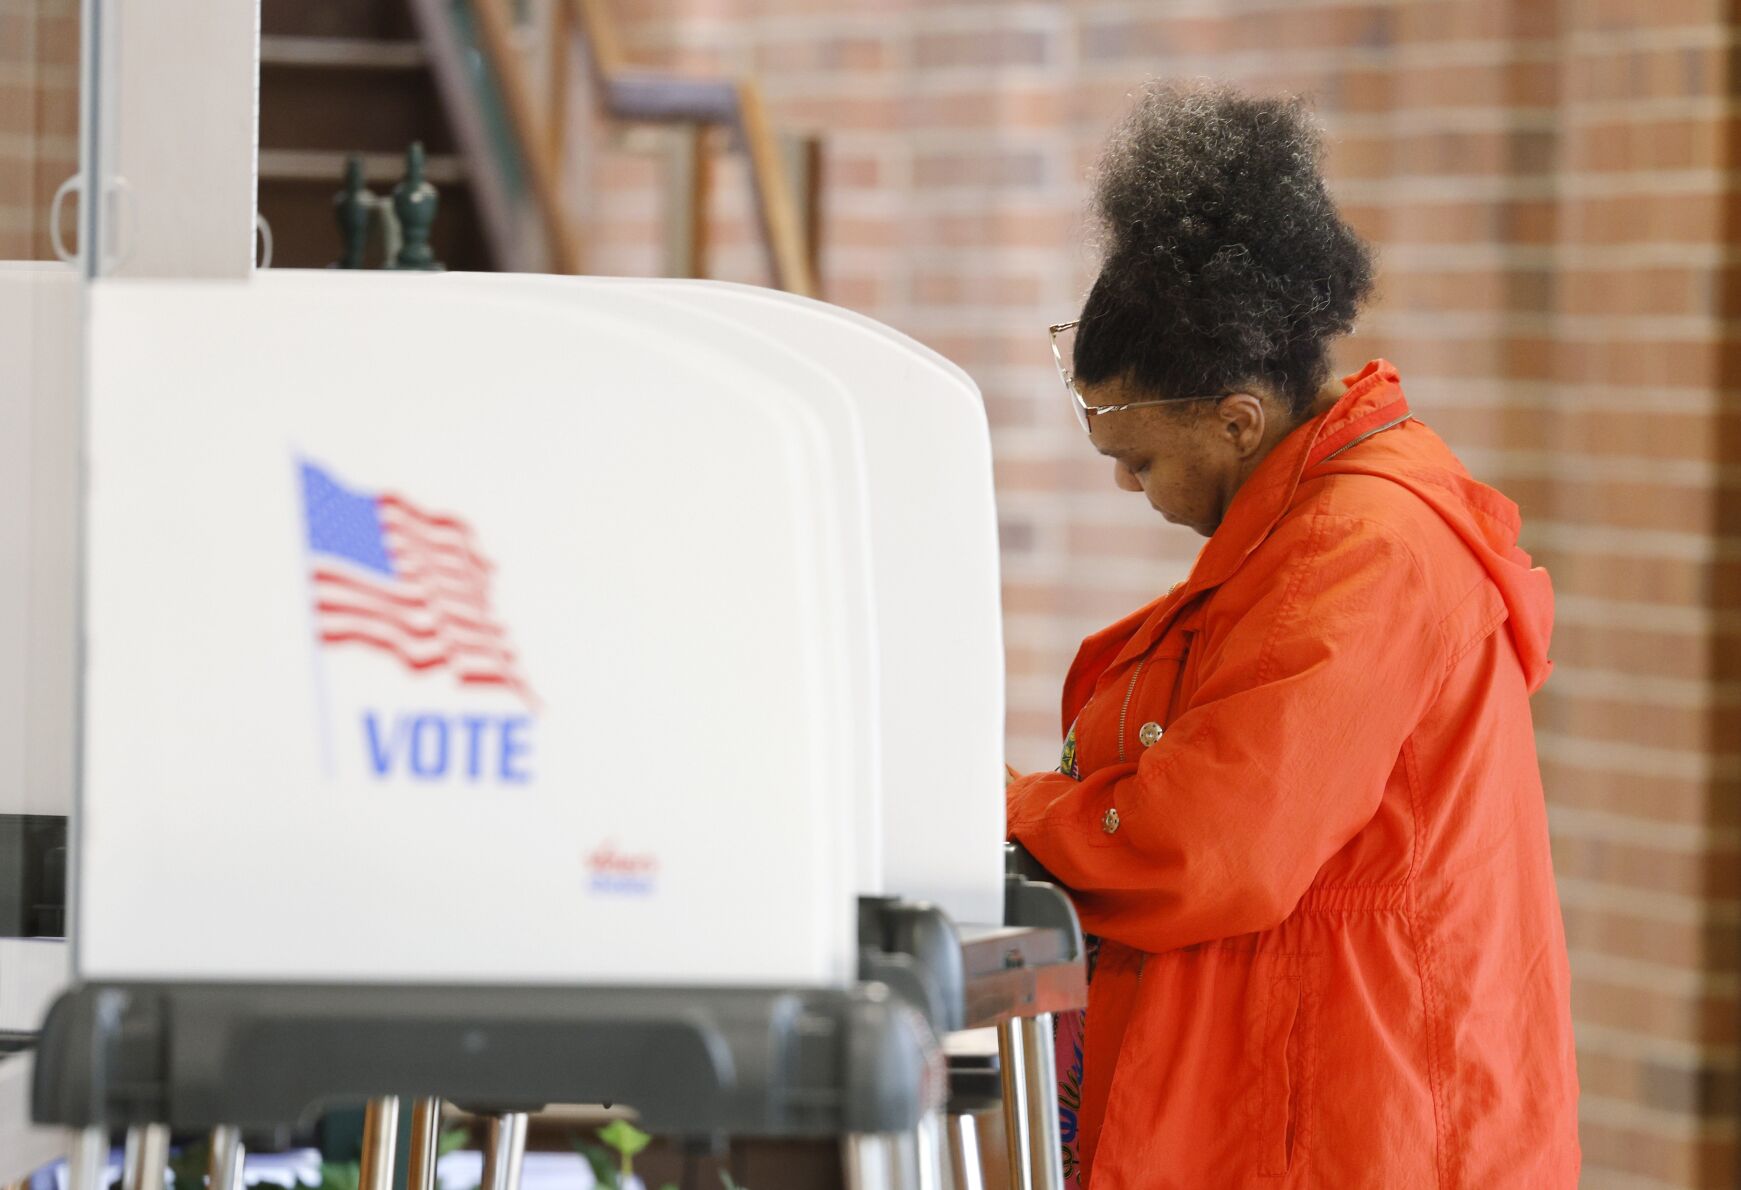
938,597
437,634
813,375
39,342
933,531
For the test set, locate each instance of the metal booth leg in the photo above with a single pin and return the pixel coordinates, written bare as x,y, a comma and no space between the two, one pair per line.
224,1167
1012,1072
504,1152
869,1161
425,1144
1040,1072
897,1160
87,1159
380,1139
931,1153
146,1155
966,1167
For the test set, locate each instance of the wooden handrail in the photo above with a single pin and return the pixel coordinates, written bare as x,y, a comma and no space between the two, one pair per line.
775,199
602,47
543,164
560,32
645,96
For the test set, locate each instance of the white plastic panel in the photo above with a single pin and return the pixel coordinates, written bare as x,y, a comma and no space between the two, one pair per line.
40,313
934,542
650,794
825,394
933,530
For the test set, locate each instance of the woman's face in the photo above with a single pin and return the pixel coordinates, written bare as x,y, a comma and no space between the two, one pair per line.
1187,458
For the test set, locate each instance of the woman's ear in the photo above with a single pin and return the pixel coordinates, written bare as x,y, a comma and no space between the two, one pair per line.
1241,420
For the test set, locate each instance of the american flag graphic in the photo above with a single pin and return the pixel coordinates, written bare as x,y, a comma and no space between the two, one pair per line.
387,575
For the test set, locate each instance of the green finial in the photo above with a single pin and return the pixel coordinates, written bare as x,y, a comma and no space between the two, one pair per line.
350,207
414,202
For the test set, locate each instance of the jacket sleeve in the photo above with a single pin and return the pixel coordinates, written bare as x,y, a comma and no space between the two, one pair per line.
1300,714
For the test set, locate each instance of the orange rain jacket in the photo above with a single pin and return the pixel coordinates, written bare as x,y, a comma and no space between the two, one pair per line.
1301,808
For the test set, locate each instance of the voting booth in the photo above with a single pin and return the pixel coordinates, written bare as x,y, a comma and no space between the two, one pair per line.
519,690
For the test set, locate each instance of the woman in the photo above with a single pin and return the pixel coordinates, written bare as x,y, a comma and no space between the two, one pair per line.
1299,805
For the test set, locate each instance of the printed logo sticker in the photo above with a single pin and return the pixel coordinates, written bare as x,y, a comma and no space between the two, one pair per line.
411,587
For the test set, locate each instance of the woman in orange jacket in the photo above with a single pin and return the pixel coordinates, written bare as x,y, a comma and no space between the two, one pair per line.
1299,804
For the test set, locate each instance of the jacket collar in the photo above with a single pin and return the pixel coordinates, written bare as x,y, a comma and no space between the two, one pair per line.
1373,402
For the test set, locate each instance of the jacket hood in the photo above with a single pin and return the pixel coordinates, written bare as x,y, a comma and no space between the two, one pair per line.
1417,459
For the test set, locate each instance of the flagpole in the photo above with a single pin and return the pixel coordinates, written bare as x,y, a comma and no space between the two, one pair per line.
317,653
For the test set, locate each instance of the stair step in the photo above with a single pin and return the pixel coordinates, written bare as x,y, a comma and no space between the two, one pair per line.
337,18
316,165
349,53
357,93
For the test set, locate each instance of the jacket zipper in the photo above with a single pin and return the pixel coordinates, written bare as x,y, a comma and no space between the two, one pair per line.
1124,711
1389,425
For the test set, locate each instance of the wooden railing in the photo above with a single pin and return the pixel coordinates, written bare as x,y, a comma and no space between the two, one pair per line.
786,211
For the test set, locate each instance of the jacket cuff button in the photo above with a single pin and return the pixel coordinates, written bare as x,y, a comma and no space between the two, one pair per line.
1109,820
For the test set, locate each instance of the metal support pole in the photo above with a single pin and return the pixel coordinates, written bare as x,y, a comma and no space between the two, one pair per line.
425,1144
504,1152
966,1168
930,1152
1012,1071
871,1161
915,1160
146,1155
880,1161
380,1139
1040,1072
88,1159
224,1166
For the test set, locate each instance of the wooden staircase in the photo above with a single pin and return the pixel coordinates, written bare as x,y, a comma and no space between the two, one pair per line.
351,76
368,77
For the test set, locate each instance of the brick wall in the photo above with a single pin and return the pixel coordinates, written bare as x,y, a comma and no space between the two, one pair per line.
39,121
1550,188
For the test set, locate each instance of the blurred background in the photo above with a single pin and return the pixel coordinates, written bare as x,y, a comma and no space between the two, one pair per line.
1553,189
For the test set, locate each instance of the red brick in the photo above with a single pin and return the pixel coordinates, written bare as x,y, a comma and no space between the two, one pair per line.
985,47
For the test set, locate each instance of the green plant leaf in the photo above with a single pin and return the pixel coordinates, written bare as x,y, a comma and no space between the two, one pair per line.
451,1141
627,1140
726,1180
600,1159
190,1167
340,1175
624,1137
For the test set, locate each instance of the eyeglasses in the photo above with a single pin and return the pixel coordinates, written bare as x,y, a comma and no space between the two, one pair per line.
1078,403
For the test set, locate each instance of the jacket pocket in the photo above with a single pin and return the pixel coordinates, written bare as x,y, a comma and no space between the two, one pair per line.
1283,1047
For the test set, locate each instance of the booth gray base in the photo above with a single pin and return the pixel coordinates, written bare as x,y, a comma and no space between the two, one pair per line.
966,976
772,1062
860,1062
1015,976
